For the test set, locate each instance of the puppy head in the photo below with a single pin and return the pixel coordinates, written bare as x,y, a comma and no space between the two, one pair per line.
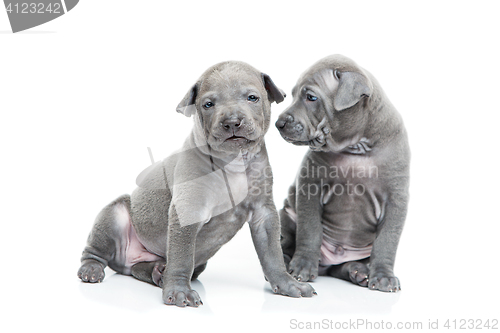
232,105
328,100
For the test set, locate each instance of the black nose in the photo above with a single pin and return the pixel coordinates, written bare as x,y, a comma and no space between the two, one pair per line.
281,123
232,123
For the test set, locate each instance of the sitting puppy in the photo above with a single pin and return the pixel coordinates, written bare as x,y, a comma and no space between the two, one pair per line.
345,212
189,205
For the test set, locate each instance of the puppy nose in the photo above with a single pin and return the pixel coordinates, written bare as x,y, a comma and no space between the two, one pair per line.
281,123
231,123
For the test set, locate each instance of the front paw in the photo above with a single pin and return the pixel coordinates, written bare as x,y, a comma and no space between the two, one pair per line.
303,268
290,287
181,295
384,282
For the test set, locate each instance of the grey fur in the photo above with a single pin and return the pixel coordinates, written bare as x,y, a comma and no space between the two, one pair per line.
180,215
350,126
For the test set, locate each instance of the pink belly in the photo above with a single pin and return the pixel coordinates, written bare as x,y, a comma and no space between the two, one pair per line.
332,254
130,249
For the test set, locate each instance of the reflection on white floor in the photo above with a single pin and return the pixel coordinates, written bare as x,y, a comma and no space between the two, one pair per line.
334,296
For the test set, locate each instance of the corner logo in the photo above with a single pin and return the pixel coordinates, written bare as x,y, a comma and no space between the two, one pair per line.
25,14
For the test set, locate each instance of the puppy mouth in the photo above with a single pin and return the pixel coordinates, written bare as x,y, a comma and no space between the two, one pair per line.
296,142
314,144
239,141
236,138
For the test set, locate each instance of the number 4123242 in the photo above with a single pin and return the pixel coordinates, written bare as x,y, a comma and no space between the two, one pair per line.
34,8
471,324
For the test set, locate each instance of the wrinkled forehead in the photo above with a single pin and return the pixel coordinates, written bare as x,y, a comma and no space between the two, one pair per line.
321,73
231,80
322,78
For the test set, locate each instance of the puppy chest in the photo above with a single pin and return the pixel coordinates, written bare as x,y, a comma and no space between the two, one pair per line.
352,201
351,218
338,167
217,232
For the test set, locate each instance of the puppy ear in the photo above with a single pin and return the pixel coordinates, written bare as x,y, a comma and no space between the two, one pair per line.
274,93
352,87
187,106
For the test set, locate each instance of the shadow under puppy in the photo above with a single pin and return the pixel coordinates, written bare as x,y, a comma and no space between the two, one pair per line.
193,202
345,212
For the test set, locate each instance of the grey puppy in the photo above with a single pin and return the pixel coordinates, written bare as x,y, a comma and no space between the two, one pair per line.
193,202
345,212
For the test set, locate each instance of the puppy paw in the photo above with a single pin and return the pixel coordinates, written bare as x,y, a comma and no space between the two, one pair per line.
303,268
384,283
292,288
181,296
157,273
358,273
91,271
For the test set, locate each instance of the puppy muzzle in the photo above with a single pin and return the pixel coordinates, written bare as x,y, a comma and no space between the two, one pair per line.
236,133
294,131
290,129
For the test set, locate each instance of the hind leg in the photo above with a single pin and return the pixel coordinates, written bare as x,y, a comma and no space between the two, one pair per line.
105,244
353,271
198,270
152,272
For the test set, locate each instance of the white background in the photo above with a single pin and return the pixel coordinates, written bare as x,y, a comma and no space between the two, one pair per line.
83,96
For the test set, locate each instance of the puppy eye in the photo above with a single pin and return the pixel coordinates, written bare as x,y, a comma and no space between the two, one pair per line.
311,98
253,98
208,105
336,74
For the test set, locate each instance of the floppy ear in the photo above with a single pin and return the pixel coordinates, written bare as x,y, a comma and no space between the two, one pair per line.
352,87
273,93
187,106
